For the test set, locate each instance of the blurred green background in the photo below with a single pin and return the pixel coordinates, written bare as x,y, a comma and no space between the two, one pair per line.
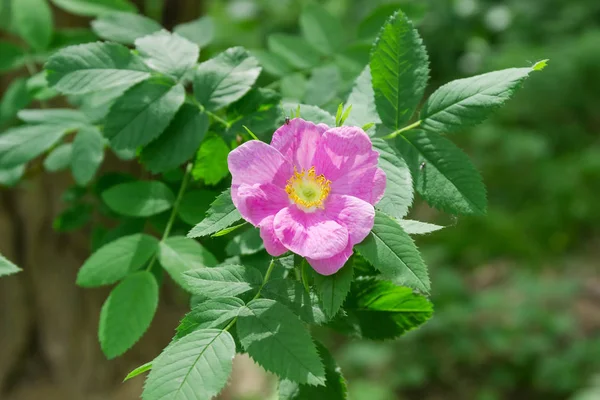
517,292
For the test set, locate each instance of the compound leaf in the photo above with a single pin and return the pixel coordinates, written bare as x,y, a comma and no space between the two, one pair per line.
276,339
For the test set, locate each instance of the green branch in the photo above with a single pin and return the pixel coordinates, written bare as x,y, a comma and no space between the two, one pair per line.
167,231
402,130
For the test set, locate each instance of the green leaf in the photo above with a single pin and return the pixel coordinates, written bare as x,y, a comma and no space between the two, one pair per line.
96,105
94,66
258,111
59,158
179,142
362,100
64,117
293,86
227,231
213,313
400,70
117,259
92,8
195,204
32,19
310,113
276,339
168,53
321,29
126,227
417,227
64,37
294,50
15,98
443,174
7,268
195,367
211,160
13,56
334,389
467,102
88,153
398,194
323,85
142,114
292,294
249,242
229,280
333,289
179,254
5,17
11,176
540,65
37,85
222,213
199,31
24,143
127,313
389,249
124,27
139,198
386,311
225,78
272,63
74,217
138,371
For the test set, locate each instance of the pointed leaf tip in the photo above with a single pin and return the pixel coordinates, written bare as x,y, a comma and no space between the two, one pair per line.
540,65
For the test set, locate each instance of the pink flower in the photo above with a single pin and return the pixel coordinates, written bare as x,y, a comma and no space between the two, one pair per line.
311,191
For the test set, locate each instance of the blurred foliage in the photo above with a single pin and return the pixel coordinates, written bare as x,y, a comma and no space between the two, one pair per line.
519,339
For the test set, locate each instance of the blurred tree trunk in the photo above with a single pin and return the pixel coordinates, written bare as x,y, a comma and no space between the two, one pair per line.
48,326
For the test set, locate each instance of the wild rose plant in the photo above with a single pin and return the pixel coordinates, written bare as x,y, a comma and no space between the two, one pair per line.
331,193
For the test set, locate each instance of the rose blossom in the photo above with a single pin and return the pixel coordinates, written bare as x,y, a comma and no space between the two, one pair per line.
311,191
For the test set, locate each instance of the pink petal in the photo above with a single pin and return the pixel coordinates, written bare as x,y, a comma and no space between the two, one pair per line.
310,234
330,266
298,141
355,214
257,162
379,182
267,233
257,202
367,185
346,157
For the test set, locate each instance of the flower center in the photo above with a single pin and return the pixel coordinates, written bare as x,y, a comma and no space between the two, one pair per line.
308,190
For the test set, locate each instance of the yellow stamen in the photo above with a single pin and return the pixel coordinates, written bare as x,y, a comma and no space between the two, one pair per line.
308,190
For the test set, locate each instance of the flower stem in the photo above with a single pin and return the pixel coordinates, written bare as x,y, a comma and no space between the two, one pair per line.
167,231
217,118
402,130
32,70
184,183
267,276
214,116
